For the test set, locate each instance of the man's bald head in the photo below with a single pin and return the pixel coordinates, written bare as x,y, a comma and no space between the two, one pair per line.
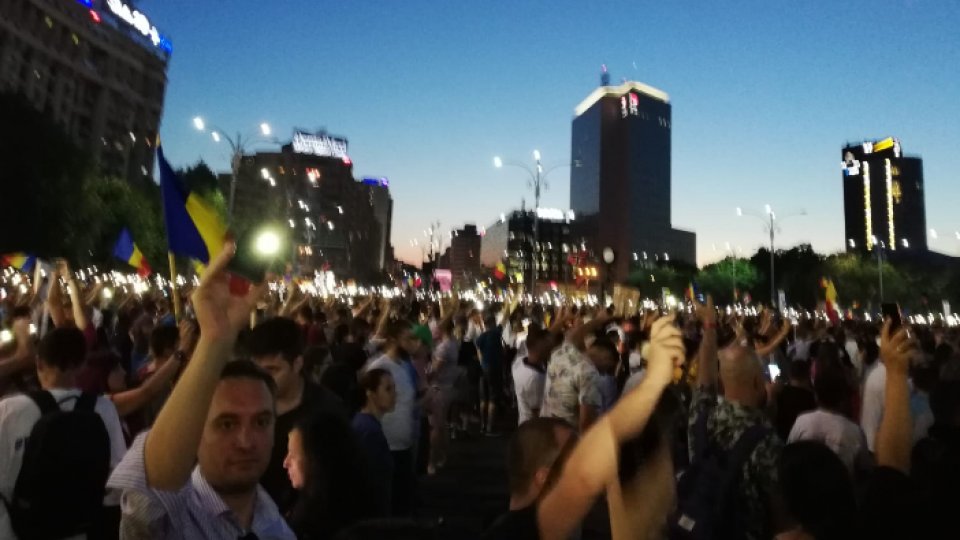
742,376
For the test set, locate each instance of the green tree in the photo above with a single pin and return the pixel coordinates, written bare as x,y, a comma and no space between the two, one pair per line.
720,278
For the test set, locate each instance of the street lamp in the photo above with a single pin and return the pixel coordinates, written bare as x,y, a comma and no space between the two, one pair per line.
537,181
770,224
237,149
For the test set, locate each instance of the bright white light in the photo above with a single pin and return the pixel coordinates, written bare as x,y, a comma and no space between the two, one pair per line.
330,225
957,234
292,224
198,123
265,129
216,136
739,211
768,209
852,243
265,173
107,293
340,209
905,243
6,336
536,155
497,162
273,182
933,234
268,243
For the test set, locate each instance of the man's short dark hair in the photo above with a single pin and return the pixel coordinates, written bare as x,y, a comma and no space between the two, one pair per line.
163,339
63,348
277,335
831,387
604,344
245,369
533,446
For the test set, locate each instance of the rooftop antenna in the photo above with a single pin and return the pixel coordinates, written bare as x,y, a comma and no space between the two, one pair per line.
604,76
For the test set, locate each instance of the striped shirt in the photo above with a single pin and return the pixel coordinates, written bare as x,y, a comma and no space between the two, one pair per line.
194,512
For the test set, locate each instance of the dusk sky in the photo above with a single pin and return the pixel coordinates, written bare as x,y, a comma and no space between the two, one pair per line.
764,94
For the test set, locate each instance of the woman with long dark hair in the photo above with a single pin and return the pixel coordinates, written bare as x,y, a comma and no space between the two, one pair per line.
326,469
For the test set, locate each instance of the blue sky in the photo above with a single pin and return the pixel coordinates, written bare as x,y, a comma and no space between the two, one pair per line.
764,94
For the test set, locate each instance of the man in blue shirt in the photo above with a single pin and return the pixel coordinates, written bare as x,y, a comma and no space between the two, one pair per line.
490,346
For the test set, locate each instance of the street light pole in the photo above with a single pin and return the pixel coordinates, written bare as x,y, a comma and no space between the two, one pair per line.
237,149
770,223
538,179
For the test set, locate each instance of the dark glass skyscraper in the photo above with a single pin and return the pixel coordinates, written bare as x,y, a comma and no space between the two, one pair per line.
883,197
620,180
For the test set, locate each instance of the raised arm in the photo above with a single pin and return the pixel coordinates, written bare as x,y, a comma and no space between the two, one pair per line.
770,346
579,334
171,446
76,302
593,466
894,438
707,369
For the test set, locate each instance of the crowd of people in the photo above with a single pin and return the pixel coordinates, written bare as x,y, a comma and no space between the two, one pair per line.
257,418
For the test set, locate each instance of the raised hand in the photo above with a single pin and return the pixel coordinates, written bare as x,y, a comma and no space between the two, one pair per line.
706,313
665,351
896,348
222,315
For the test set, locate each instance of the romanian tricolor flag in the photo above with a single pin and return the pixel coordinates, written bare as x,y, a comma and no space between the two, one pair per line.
830,295
126,250
193,227
500,272
20,261
690,294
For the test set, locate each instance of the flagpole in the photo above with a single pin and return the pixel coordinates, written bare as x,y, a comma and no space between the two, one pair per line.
173,286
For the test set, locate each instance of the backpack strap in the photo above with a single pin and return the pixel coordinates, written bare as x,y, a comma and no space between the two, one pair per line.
742,449
45,400
86,402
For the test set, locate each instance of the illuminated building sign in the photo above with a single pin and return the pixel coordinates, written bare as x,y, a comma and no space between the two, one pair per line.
555,214
380,182
880,146
851,165
629,105
320,145
138,21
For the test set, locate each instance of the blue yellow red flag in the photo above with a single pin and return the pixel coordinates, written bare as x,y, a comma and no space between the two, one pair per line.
126,250
193,227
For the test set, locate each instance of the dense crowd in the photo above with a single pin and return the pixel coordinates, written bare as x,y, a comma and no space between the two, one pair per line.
265,416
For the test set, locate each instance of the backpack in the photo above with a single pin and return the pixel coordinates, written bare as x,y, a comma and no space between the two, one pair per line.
59,491
707,491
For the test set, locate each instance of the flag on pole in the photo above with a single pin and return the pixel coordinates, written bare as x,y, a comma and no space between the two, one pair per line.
127,251
691,293
500,271
830,296
193,227
21,261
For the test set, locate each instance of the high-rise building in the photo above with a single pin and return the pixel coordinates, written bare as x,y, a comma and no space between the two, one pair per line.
620,176
97,67
883,197
465,255
336,222
510,241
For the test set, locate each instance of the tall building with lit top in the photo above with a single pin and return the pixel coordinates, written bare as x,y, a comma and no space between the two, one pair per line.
883,197
621,175
97,68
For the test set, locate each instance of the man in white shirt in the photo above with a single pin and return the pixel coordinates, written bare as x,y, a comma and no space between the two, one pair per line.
530,376
61,353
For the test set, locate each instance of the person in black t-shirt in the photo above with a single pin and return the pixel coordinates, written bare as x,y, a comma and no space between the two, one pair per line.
276,345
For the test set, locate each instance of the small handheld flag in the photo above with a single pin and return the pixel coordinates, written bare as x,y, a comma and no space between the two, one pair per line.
500,272
20,261
126,250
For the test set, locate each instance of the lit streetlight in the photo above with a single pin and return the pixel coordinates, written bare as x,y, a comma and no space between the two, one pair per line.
537,181
237,148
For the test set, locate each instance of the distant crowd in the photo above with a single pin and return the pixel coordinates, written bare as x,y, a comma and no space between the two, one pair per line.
309,418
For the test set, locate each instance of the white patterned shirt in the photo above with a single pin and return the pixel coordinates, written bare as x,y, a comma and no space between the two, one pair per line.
572,381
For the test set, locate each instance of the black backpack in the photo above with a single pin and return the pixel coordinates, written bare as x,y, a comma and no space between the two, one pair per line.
59,491
707,491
